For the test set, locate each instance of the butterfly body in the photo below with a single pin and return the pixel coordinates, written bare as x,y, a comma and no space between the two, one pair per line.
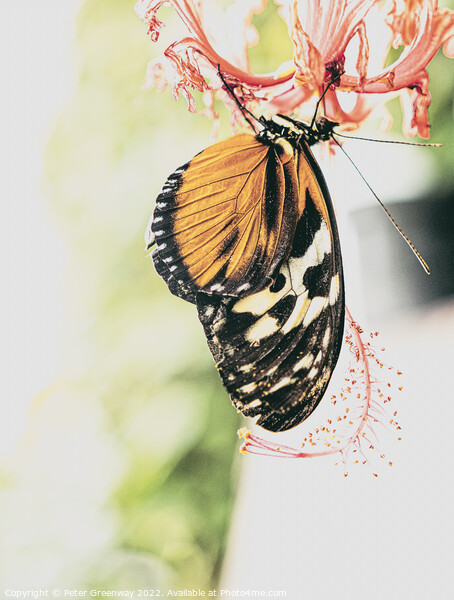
246,231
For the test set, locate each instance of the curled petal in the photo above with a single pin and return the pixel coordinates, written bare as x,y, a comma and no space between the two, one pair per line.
434,29
307,54
184,58
310,67
404,22
431,29
415,103
187,72
147,10
363,55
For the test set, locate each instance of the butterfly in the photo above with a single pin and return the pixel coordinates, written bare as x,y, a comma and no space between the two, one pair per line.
246,231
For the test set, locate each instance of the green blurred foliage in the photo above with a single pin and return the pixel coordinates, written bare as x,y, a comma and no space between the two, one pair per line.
274,46
136,347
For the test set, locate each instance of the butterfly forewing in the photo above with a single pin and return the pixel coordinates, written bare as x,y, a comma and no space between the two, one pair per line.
224,222
276,348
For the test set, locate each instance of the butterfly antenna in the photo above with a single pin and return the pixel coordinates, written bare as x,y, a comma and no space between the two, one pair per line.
364,139
242,108
391,218
320,100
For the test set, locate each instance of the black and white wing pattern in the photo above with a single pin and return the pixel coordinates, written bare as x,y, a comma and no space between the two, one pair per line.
276,349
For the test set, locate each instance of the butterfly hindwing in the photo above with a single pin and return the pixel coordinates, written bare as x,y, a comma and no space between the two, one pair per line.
276,348
224,221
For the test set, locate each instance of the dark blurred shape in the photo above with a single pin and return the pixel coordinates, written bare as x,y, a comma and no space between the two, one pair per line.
392,277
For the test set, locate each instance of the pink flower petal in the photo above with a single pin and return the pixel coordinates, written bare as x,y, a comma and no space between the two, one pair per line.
322,34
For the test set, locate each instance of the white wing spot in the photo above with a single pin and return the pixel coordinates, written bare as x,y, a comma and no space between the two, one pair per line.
280,384
253,404
326,337
250,387
334,289
318,358
263,328
298,313
318,303
312,373
304,363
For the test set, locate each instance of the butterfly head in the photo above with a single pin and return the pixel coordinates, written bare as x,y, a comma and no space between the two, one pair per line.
295,131
322,130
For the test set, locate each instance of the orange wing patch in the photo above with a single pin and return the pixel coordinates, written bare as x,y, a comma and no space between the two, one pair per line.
224,222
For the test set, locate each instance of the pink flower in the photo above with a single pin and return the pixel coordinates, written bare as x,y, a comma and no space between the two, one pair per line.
325,36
